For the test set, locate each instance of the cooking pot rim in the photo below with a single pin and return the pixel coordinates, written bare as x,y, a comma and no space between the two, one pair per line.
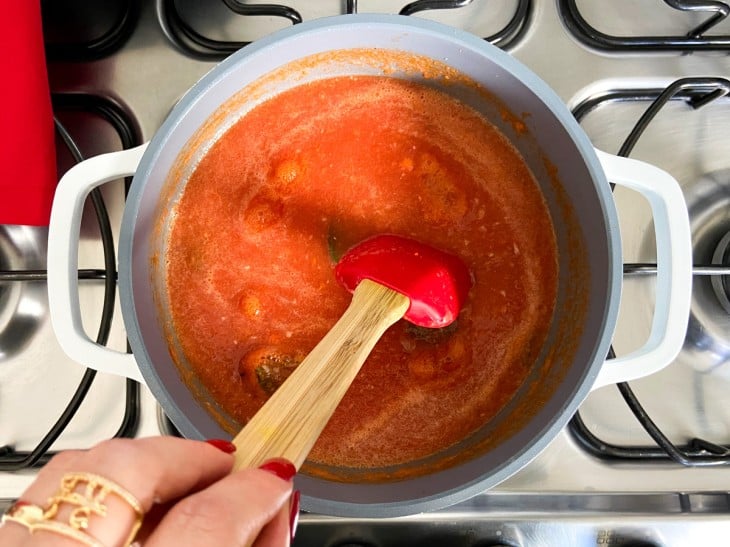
583,146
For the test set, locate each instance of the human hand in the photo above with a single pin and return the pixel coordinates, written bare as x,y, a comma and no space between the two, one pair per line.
182,489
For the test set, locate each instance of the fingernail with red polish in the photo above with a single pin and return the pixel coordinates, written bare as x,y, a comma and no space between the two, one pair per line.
221,444
294,513
281,467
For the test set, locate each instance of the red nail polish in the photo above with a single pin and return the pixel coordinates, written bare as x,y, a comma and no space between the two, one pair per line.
282,468
221,444
294,514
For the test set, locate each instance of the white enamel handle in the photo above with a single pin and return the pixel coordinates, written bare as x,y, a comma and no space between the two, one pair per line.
674,269
63,256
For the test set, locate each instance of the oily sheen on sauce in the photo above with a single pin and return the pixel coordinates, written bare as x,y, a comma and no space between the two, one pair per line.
305,175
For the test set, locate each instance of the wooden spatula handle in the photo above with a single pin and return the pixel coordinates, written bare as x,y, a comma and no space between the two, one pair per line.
290,422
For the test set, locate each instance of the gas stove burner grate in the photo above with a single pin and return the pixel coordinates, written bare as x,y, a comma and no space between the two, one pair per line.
10,459
195,44
85,31
191,42
695,40
696,92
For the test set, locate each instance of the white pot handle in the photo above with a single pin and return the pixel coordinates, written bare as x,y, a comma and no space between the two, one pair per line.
674,269
63,256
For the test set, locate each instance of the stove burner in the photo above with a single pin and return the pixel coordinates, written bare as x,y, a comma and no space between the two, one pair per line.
721,284
22,305
706,346
708,332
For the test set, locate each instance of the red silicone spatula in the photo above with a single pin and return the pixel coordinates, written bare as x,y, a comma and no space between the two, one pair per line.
390,277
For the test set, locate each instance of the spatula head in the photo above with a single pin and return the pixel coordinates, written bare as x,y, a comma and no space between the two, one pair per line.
436,282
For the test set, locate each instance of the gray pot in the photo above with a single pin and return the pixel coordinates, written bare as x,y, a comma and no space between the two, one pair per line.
580,202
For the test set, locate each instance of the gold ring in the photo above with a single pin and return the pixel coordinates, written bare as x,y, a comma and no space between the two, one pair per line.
86,492
24,513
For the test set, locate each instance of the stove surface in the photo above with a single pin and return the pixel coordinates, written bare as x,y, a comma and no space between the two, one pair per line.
140,57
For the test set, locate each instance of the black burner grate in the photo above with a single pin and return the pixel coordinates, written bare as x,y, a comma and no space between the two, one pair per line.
694,40
696,92
191,42
78,30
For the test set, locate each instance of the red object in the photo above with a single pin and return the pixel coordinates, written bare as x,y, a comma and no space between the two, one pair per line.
281,467
223,445
436,282
294,514
27,145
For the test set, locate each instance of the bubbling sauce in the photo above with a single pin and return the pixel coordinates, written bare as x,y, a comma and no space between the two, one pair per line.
309,173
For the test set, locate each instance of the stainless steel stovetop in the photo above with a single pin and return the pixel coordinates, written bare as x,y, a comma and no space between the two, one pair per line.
117,70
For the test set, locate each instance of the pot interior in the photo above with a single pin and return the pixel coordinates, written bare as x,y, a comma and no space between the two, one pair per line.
524,110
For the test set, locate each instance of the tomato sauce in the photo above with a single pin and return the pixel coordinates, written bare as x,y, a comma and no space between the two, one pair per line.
305,175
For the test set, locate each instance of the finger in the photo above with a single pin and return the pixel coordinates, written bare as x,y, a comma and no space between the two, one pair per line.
13,534
276,533
231,512
153,470
16,535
